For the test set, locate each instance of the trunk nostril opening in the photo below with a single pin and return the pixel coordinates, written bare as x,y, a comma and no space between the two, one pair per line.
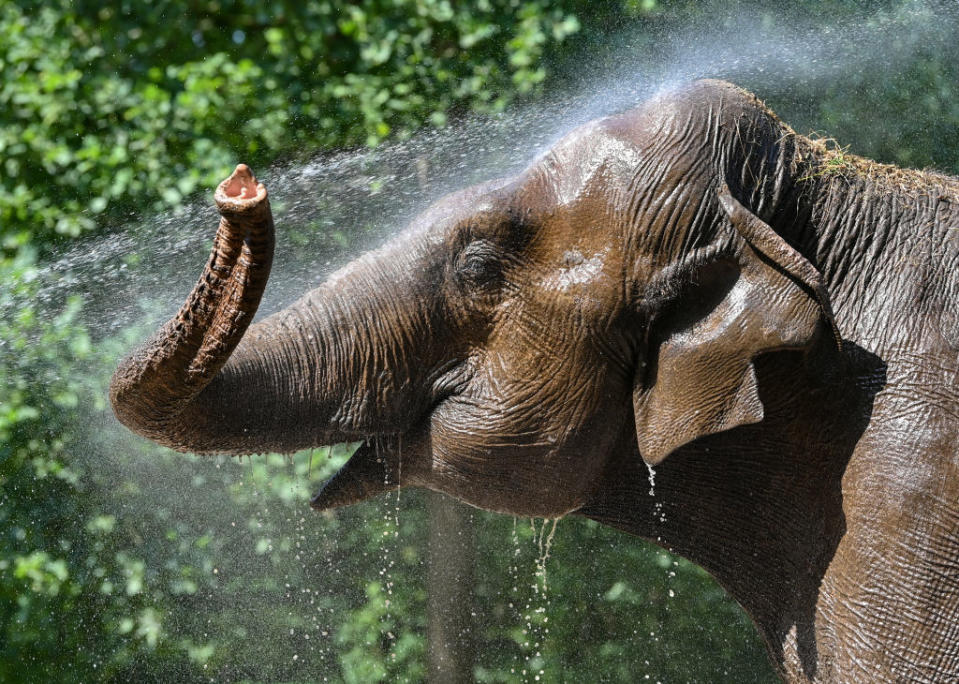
241,185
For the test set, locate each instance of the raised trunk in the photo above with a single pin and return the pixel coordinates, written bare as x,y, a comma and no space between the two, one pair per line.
153,388
357,357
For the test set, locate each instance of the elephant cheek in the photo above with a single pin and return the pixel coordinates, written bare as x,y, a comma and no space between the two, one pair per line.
545,472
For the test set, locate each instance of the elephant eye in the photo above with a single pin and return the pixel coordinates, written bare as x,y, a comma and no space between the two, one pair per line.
478,264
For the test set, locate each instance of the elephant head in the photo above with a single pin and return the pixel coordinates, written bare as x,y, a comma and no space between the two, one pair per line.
611,297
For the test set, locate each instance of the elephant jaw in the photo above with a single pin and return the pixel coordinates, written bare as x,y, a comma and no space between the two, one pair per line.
387,461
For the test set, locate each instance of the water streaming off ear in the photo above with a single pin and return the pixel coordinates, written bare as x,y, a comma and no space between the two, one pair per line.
329,209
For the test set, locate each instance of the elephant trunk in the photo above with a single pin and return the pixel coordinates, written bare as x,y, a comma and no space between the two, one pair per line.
353,359
153,386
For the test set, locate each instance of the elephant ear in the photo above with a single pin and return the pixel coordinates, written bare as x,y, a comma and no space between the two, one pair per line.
718,310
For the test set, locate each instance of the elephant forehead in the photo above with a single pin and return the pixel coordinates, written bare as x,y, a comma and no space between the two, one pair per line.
575,288
588,158
576,269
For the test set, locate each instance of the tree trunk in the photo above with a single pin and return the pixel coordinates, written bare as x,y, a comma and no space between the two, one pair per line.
451,643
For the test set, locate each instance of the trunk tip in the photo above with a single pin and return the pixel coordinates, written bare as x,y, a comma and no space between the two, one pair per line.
240,191
241,184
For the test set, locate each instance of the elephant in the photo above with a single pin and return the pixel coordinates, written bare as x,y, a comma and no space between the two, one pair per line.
689,289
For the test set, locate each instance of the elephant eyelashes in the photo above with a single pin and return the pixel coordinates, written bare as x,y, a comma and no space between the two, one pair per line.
478,265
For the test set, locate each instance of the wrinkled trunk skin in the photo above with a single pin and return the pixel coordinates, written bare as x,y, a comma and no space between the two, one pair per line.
335,366
153,389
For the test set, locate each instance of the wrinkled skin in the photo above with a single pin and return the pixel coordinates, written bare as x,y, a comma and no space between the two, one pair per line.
658,287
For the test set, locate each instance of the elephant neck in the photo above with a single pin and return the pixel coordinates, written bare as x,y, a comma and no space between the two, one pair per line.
759,507
866,226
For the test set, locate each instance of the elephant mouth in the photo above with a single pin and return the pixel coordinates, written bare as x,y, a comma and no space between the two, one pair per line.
381,463
391,459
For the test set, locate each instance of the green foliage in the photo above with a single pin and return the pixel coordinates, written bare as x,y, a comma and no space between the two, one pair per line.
108,107
925,99
633,608
58,557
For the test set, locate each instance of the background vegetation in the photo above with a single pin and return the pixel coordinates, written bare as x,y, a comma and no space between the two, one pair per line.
120,561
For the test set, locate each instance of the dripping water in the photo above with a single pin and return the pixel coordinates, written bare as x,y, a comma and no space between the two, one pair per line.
513,570
536,612
658,512
388,544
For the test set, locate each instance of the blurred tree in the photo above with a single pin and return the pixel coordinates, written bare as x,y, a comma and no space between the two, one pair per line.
138,104
451,641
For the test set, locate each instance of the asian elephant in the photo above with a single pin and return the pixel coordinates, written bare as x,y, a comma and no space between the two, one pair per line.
690,285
